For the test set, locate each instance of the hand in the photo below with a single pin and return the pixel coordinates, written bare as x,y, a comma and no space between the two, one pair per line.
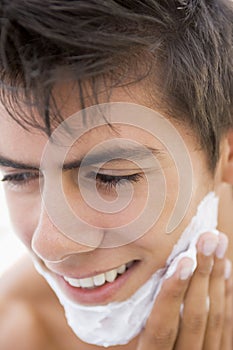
201,325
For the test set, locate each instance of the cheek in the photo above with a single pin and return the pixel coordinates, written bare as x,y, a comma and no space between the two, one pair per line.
111,215
107,208
157,242
24,216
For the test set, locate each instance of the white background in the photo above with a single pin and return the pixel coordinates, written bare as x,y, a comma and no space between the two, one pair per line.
10,247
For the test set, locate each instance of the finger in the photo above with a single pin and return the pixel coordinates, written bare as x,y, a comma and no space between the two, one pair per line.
214,326
195,311
227,340
161,328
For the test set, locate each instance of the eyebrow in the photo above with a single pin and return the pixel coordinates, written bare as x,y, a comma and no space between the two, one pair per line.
119,153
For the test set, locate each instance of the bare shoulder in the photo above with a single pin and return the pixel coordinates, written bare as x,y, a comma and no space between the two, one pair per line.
30,315
22,289
20,328
22,281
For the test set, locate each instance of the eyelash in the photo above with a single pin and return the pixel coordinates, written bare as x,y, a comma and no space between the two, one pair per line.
105,181
109,182
20,179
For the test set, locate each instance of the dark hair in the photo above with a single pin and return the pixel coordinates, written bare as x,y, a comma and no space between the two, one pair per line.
182,48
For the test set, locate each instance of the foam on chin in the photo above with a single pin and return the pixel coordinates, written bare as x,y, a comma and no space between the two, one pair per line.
95,324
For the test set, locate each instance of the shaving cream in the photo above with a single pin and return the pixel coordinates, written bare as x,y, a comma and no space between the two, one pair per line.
102,325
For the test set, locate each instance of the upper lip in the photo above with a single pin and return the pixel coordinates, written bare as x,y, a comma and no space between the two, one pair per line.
87,274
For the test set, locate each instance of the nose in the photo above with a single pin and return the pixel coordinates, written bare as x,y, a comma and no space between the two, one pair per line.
52,245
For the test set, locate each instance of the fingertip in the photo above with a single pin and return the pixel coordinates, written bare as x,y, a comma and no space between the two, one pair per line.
207,243
186,269
183,268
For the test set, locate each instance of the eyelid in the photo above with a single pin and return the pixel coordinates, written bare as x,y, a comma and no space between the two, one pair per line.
117,172
6,170
27,184
108,182
12,175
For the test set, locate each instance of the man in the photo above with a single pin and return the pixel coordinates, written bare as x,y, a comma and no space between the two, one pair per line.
116,124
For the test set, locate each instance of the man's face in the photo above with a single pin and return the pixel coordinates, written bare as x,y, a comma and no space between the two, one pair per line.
81,221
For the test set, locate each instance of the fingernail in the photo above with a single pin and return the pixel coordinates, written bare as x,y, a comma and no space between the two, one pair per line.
209,246
222,246
228,267
187,269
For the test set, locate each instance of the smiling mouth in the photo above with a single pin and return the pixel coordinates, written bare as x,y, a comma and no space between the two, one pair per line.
99,280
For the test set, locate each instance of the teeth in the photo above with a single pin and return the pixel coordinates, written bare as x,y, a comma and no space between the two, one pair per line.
86,282
110,276
121,269
98,280
73,281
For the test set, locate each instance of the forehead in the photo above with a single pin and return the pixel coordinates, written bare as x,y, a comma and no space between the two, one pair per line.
17,143
120,140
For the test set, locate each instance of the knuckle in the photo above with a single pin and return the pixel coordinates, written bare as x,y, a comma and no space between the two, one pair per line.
195,323
162,337
215,321
175,294
204,271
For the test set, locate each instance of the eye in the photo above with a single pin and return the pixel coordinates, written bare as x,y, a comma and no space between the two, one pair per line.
20,180
108,182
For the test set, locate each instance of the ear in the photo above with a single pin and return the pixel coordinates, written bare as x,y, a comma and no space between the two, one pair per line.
227,158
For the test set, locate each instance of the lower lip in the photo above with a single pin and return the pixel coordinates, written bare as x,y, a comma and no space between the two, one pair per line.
99,295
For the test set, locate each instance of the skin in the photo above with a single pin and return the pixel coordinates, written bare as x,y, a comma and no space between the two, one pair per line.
25,293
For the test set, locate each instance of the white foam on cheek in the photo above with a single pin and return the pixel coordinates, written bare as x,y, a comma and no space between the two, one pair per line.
118,322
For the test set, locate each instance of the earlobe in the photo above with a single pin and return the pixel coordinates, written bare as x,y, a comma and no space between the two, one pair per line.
227,158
